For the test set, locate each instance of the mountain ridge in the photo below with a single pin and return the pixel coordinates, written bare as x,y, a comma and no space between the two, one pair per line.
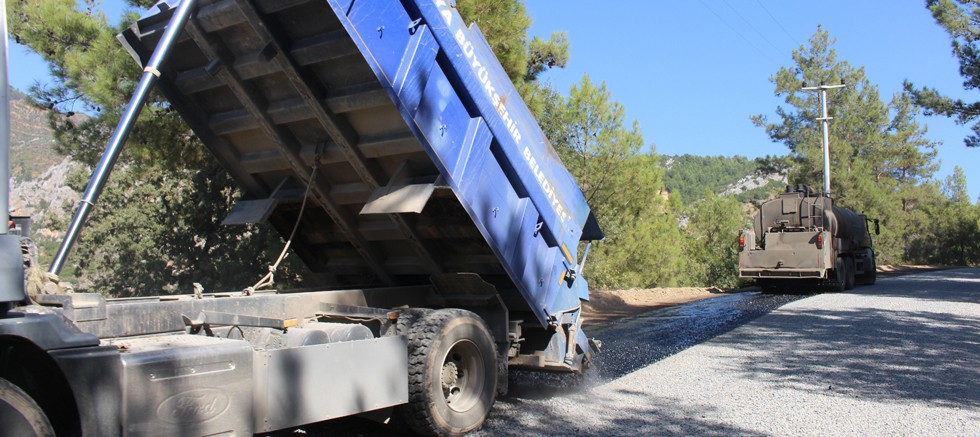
693,176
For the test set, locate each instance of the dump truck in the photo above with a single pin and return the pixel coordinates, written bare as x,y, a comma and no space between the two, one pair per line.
801,241
382,139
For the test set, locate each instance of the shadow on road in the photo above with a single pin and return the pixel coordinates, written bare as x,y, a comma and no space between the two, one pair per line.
965,289
629,344
921,346
917,347
629,413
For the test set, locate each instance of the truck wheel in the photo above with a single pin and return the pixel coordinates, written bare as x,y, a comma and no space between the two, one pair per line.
452,373
839,283
19,414
849,273
871,274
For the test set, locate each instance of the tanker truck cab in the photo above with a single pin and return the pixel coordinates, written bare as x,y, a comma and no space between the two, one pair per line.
800,241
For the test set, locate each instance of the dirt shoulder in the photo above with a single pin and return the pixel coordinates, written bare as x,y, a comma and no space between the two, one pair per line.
889,271
608,305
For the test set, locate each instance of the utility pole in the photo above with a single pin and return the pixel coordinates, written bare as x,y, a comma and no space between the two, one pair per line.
825,121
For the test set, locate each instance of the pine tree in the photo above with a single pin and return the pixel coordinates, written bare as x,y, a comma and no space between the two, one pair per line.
713,227
959,19
881,163
956,231
622,185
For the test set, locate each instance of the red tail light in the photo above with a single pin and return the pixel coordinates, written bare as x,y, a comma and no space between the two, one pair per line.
819,241
741,242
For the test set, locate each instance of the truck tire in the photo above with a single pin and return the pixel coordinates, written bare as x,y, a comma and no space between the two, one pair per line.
452,373
839,283
849,270
871,273
19,414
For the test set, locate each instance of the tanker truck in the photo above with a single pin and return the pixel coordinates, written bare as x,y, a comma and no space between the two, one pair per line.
384,140
800,241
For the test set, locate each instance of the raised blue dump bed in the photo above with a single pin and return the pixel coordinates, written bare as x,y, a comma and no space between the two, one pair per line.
428,160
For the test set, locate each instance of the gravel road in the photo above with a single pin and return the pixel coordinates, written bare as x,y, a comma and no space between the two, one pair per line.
901,357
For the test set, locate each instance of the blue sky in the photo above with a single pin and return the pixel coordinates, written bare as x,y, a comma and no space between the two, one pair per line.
693,72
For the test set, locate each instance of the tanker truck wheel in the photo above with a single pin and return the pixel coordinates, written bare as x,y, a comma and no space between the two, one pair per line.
871,275
19,414
452,373
849,273
839,283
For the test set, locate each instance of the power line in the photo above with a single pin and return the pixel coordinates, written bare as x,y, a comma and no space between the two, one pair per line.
786,32
733,29
750,25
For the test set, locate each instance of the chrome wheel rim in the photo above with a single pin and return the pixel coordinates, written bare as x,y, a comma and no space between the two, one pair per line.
462,376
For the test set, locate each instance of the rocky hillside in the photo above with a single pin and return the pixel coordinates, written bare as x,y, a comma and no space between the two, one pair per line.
45,196
37,171
691,176
756,187
32,142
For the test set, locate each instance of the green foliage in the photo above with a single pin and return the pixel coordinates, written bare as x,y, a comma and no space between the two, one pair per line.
158,232
93,74
89,65
505,23
713,227
689,176
952,233
881,163
773,165
759,195
955,187
156,226
543,55
621,185
959,18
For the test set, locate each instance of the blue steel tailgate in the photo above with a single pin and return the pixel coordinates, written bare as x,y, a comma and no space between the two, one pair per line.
427,160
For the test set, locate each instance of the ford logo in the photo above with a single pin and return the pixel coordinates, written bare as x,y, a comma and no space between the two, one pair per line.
198,405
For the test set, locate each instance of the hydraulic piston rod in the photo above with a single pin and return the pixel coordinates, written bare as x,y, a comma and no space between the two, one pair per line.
101,174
